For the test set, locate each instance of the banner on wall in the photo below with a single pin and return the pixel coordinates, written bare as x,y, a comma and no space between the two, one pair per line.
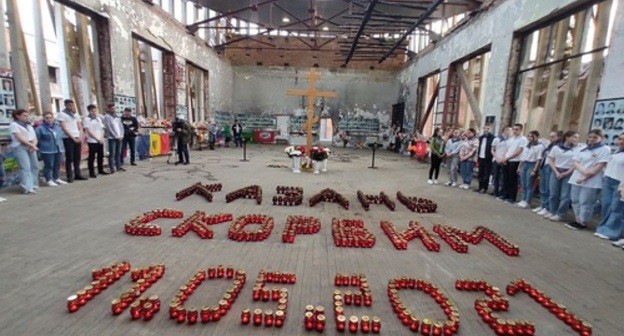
609,117
154,145
7,99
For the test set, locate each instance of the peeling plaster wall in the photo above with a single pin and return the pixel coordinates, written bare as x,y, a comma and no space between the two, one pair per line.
369,94
611,85
151,23
494,27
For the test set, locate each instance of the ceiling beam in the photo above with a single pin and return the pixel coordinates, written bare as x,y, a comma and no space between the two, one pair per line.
430,10
299,20
369,12
402,5
195,26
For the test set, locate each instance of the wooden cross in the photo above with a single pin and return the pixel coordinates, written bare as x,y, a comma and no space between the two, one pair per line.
311,93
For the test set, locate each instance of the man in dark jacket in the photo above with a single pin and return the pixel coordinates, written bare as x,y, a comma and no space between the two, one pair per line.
182,132
485,158
131,130
237,132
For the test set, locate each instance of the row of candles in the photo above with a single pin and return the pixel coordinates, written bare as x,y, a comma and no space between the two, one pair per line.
261,293
291,196
495,302
426,327
143,279
299,225
315,319
457,239
237,229
204,191
366,200
416,204
250,192
351,233
140,225
200,223
329,195
562,313
102,278
415,230
206,314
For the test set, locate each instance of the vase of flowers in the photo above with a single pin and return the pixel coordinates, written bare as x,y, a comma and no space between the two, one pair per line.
295,153
318,154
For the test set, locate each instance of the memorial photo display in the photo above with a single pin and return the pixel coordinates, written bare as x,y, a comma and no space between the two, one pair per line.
7,99
609,117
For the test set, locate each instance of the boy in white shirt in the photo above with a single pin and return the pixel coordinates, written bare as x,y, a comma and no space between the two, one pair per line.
511,161
94,128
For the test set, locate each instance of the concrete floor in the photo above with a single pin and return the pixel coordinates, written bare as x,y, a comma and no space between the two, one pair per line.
51,241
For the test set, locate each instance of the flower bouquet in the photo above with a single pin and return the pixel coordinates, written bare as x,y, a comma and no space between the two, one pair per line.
319,155
295,153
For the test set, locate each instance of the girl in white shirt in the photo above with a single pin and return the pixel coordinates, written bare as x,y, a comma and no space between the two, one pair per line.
24,145
586,180
612,224
529,166
560,160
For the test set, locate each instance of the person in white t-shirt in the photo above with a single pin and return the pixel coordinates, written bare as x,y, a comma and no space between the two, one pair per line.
24,146
586,180
612,223
94,128
511,161
72,130
529,166
560,160
554,138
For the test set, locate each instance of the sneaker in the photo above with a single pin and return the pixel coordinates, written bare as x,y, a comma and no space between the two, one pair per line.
519,204
430,182
619,243
454,185
543,212
601,236
52,184
538,209
60,182
576,226
36,187
33,191
435,181
523,205
555,218
448,184
2,199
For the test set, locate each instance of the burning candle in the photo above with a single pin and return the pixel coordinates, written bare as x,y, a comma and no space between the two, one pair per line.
308,320
148,311
365,325
216,313
191,315
280,317
116,307
135,310
72,303
341,323
257,317
320,323
180,314
425,327
353,324
376,325
268,318
205,314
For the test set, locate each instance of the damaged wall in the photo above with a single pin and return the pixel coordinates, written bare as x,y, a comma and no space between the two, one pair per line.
262,90
495,28
611,84
153,24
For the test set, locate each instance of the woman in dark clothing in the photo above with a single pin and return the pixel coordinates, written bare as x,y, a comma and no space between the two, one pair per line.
436,146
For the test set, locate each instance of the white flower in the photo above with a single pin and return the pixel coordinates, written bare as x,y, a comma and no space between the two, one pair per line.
289,149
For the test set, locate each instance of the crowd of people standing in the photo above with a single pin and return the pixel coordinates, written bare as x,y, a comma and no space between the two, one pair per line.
566,174
62,136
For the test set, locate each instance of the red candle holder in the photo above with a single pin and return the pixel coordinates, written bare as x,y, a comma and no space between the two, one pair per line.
365,324
205,314
309,320
246,316
341,323
320,323
353,324
116,307
280,318
257,317
376,325
135,310
72,303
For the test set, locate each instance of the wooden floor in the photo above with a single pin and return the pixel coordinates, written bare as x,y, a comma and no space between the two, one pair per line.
51,241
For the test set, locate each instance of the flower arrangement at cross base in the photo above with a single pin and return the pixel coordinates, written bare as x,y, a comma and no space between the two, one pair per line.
319,156
295,153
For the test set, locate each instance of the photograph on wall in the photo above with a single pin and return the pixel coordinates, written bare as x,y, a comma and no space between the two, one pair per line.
609,117
7,99
122,102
